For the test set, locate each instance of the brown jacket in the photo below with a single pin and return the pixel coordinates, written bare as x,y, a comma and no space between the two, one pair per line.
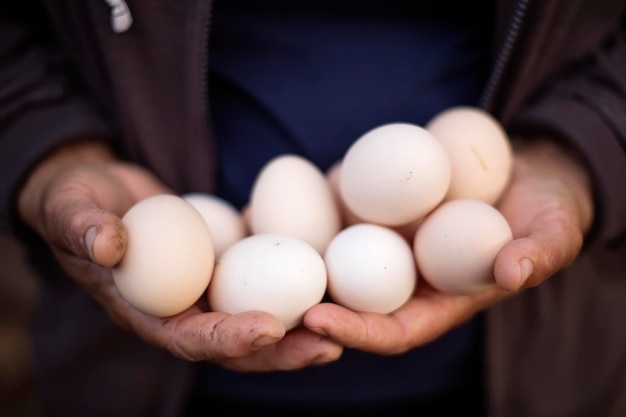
559,67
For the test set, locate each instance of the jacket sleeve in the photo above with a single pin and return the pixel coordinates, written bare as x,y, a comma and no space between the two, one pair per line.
41,106
586,106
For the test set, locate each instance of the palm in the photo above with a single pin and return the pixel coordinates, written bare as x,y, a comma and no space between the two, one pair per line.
548,221
90,196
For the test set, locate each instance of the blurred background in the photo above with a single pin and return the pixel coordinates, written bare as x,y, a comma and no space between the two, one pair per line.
18,297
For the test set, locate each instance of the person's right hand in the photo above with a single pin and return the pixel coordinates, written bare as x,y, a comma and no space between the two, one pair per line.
75,199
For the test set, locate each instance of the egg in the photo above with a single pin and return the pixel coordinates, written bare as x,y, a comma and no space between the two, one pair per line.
394,174
349,218
291,196
456,245
371,268
225,222
278,274
479,150
169,256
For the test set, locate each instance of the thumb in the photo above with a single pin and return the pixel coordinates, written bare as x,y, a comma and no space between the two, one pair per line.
106,242
528,261
88,232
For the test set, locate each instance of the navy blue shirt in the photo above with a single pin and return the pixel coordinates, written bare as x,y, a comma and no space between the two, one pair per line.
310,77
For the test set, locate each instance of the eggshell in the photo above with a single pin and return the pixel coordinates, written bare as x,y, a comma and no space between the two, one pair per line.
291,196
169,258
394,174
225,222
480,152
457,244
370,269
349,218
279,274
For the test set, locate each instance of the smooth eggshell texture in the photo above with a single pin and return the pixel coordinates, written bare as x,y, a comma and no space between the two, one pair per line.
456,245
291,196
370,269
225,222
480,152
281,275
394,174
169,258
349,218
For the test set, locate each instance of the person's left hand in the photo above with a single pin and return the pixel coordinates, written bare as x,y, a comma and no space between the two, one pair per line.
549,207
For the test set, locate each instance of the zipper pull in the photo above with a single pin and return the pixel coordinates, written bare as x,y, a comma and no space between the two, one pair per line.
121,19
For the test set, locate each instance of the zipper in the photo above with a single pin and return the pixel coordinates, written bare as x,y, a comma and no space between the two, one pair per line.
205,63
205,85
504,56
199,17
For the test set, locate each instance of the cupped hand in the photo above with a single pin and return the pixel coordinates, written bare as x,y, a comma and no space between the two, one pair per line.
75,200
548,205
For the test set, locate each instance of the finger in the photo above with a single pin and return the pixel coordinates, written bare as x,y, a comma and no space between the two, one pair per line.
300,348
251,341
199,336
553,243
193,334
83,210
106,241
86,231
356,330
422,319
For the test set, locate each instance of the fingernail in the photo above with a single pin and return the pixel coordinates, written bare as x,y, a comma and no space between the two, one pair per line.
321,360
263,341
90,235
319,330
526,265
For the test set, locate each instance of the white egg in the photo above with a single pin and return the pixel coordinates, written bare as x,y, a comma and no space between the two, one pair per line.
480,152
291,196
169,258
370,269
279,274
349,218
225,222
394,174
456,245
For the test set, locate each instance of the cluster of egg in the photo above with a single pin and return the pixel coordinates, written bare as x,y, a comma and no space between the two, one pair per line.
404,202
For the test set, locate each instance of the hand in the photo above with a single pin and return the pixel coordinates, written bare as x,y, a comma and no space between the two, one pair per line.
548,205
74,199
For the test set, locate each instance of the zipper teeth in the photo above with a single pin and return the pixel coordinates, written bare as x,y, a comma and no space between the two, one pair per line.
205,82
205,62
505,53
